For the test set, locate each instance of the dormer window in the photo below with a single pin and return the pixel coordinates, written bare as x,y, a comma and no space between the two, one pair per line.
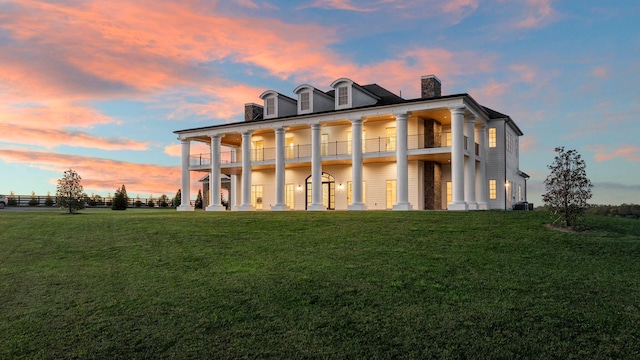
304,101
271,106
343,95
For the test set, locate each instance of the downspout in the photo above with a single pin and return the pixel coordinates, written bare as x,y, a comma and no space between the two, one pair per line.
504,144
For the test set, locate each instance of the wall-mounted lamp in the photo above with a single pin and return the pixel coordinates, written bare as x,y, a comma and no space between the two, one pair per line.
340,187
299,187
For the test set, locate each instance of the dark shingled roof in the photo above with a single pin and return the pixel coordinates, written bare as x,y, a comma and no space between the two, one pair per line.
494,114
386,96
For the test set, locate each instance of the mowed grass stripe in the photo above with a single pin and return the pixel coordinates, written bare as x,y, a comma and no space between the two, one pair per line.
165,284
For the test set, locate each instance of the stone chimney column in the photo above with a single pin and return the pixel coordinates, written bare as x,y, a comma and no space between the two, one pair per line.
252,112
431,87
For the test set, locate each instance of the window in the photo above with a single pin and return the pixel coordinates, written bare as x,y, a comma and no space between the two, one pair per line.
391,193
449,192
304,101
350,192
343,96
509,142
349,139
492,189
391,139
324,144
492,137
288,195
447,139
256,196
290,150
257,151
271,106
520,193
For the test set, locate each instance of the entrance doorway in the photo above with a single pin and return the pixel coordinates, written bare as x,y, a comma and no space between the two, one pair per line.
328,191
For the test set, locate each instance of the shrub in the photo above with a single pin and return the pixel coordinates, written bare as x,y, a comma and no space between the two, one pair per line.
150,203
34,202
138,203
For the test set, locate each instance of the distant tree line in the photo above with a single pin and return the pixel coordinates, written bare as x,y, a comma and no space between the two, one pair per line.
626,210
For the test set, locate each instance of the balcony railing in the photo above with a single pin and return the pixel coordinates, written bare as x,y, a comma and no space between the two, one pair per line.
334,149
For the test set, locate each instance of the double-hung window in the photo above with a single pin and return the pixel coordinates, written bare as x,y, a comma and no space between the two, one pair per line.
304,101
343,96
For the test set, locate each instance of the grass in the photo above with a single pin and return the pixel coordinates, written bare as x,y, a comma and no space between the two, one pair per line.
372,285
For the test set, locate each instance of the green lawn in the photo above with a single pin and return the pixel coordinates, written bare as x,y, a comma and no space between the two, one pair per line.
373,285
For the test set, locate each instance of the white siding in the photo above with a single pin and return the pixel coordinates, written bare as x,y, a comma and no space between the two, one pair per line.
360,98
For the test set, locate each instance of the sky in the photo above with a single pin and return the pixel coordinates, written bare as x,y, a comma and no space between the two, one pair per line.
100,86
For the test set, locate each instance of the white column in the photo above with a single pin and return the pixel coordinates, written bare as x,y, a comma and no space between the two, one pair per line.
214,177
457,160
481,179
316,170
246,172
356,166
280,180
402,164
233,188
185,202
470,166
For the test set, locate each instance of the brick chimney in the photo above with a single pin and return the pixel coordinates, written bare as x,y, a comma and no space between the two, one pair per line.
252,112
430,86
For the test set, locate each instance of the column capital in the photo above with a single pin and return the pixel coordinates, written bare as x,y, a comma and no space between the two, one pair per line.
356,120
457,110
471,120
401,116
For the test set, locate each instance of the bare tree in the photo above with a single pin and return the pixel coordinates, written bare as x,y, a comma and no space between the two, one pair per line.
69,193
568,187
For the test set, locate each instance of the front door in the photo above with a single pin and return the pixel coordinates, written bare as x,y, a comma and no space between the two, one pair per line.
328,191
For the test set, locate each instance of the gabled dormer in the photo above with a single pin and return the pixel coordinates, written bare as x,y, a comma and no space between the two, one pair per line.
277,105
349,95
312,100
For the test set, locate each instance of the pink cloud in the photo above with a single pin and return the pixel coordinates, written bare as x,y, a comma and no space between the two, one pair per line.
601,72
53,115
626,152
459,8
538,13
105,175
50,138
337,4
526,73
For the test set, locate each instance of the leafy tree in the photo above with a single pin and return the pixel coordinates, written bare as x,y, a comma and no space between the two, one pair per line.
12,200
120,199
34,200
199,201
48,201
568,187
177,200
163,201
69,192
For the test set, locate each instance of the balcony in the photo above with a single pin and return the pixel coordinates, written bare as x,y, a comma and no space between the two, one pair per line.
372,147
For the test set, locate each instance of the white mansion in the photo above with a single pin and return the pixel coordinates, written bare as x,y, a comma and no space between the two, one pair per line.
360,147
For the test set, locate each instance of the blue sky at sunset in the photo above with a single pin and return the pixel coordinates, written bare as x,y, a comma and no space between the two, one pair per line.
100,86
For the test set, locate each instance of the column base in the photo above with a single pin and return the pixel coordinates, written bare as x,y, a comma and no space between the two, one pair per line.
357,207
316,207
402,206
458,206
246,208
472,206
216,207
185,208
483,206
280,208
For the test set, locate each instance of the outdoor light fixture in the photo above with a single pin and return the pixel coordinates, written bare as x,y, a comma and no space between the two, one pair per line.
340,187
